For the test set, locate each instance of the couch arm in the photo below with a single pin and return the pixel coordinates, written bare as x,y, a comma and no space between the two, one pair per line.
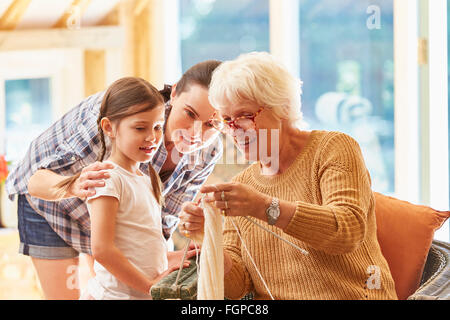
435,284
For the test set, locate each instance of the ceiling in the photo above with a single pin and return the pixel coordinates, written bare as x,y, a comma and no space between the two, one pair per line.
42,14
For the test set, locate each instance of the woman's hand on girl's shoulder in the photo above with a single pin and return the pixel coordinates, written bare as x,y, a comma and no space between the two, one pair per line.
90,177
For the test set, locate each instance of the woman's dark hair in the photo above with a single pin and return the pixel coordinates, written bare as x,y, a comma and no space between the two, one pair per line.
125,97
166,92
200,74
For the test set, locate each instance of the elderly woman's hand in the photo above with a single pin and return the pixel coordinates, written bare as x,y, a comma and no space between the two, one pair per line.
237,199
191,220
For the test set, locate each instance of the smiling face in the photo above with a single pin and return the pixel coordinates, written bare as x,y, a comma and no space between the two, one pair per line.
188,125
257,136
137,137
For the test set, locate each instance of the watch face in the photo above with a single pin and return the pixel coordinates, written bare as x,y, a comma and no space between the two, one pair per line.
274,212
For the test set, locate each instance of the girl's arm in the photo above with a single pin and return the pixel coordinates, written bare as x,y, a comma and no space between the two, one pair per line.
103,215
42,182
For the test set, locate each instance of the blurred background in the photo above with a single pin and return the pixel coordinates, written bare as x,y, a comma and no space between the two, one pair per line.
375,69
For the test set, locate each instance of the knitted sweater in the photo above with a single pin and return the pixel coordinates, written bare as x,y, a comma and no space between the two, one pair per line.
334,221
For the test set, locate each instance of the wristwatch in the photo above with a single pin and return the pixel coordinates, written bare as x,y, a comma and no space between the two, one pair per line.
273,211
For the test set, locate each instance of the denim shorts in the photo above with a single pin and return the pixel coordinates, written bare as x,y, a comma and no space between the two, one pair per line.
37,238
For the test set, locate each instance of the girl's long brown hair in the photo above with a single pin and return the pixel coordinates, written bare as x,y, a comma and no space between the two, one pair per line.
125,97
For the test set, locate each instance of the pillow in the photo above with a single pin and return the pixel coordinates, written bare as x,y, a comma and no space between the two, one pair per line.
405,232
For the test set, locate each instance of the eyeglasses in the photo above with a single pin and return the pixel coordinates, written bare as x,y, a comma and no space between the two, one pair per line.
244,122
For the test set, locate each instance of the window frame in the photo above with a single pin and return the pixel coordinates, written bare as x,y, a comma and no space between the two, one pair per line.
420,162
434,125
411,171
65,68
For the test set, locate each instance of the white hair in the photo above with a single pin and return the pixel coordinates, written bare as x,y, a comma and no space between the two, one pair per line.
257,78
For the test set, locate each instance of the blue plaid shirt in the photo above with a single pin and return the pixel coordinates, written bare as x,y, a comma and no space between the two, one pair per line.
71,144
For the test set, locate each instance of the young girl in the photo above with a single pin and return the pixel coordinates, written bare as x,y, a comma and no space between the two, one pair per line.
127,243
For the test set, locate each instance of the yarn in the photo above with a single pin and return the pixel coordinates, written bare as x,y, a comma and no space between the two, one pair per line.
210,280
211,275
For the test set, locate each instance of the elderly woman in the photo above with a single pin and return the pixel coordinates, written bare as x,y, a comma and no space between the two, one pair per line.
309,188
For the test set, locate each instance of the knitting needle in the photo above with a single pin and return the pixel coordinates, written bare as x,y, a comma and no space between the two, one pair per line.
277,236
182,262
185,252
273,233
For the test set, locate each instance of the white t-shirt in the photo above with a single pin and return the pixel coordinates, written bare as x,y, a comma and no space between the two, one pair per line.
138,233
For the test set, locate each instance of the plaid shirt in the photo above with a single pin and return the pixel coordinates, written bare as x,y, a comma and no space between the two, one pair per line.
71,144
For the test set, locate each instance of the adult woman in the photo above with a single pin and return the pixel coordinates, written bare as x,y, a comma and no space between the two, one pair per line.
53,230
310,188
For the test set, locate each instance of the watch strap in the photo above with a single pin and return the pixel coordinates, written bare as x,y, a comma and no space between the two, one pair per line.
275,205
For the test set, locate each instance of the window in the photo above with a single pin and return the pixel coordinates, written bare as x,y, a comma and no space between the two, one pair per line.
222,29
37,87
347,69
28,113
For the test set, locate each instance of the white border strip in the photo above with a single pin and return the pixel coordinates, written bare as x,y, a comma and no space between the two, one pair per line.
438,86
285,33
438,104
406,100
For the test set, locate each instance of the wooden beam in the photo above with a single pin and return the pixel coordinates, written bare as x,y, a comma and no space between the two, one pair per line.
94,71
149,43
156,42
75,11
112,18
143,52
142,36
127,21
92,38
140,6
13,14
